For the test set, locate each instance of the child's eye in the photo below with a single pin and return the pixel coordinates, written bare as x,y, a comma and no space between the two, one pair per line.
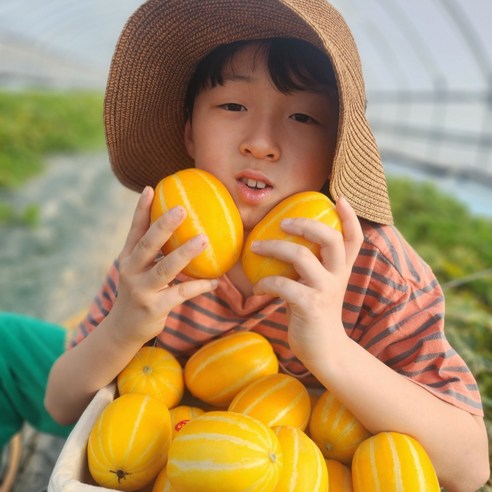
302,118
233,107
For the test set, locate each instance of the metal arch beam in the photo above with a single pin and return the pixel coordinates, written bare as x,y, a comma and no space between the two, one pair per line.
474,43
478,52
74,14
416,41
377,39
55,21
387,52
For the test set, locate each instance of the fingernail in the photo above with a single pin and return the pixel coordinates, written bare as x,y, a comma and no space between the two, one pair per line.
176,212
286,222
255,245
200,240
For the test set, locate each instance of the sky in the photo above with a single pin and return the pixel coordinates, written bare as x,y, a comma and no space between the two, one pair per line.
402,43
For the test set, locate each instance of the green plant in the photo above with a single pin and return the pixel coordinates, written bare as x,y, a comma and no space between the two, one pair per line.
11,217
35,124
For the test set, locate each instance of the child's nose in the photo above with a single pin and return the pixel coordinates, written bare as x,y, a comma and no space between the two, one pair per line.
261,142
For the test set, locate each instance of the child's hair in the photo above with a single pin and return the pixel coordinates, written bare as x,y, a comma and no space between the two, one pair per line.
293,65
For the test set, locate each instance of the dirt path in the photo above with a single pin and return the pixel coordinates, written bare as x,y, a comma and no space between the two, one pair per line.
54,269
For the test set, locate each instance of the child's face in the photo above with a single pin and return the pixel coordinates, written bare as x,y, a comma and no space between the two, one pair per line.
262,144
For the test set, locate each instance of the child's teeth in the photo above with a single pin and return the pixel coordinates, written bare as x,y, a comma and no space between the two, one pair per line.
252,183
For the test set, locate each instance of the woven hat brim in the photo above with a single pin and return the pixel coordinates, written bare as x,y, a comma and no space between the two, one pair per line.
156,56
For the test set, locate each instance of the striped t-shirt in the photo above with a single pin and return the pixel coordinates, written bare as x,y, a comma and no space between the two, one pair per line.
393,307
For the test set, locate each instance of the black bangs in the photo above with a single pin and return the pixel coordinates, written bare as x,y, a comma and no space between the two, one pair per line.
296,65
293,65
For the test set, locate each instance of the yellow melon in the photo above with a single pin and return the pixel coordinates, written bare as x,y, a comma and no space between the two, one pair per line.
181,415
309,204
129,442
335,429
277,399
210,210
340,477
224,451
219,370
162,483
392,461
304,467
156,372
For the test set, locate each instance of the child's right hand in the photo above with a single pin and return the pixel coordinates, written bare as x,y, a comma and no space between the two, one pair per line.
145,291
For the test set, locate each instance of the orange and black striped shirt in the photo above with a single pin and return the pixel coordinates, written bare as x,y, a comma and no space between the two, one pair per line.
393,307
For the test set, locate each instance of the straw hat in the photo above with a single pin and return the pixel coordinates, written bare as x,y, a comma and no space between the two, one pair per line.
155,58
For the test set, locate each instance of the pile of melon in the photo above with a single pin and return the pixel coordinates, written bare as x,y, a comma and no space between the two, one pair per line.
229,421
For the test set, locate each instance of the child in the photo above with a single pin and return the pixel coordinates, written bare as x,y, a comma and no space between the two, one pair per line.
268,95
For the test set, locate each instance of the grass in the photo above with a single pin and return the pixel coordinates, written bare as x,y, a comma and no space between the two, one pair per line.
34,125
29,216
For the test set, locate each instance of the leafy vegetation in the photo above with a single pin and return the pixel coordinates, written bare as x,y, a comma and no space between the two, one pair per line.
29,216
34,124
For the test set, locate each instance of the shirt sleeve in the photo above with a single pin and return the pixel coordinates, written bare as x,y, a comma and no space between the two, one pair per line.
99,308
397,313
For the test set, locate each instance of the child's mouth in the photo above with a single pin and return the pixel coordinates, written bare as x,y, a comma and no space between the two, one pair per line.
252,191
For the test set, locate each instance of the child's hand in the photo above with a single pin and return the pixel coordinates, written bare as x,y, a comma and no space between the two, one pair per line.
145,295
315,300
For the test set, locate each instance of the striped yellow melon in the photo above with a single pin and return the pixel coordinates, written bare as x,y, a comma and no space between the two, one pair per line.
210,210
277,399
392,461
304,467
156,372
162,483
218,371
335,429
309,204
224,451
181,415
129,442
340,477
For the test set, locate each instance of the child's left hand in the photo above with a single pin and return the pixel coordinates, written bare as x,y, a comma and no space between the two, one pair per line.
315,300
